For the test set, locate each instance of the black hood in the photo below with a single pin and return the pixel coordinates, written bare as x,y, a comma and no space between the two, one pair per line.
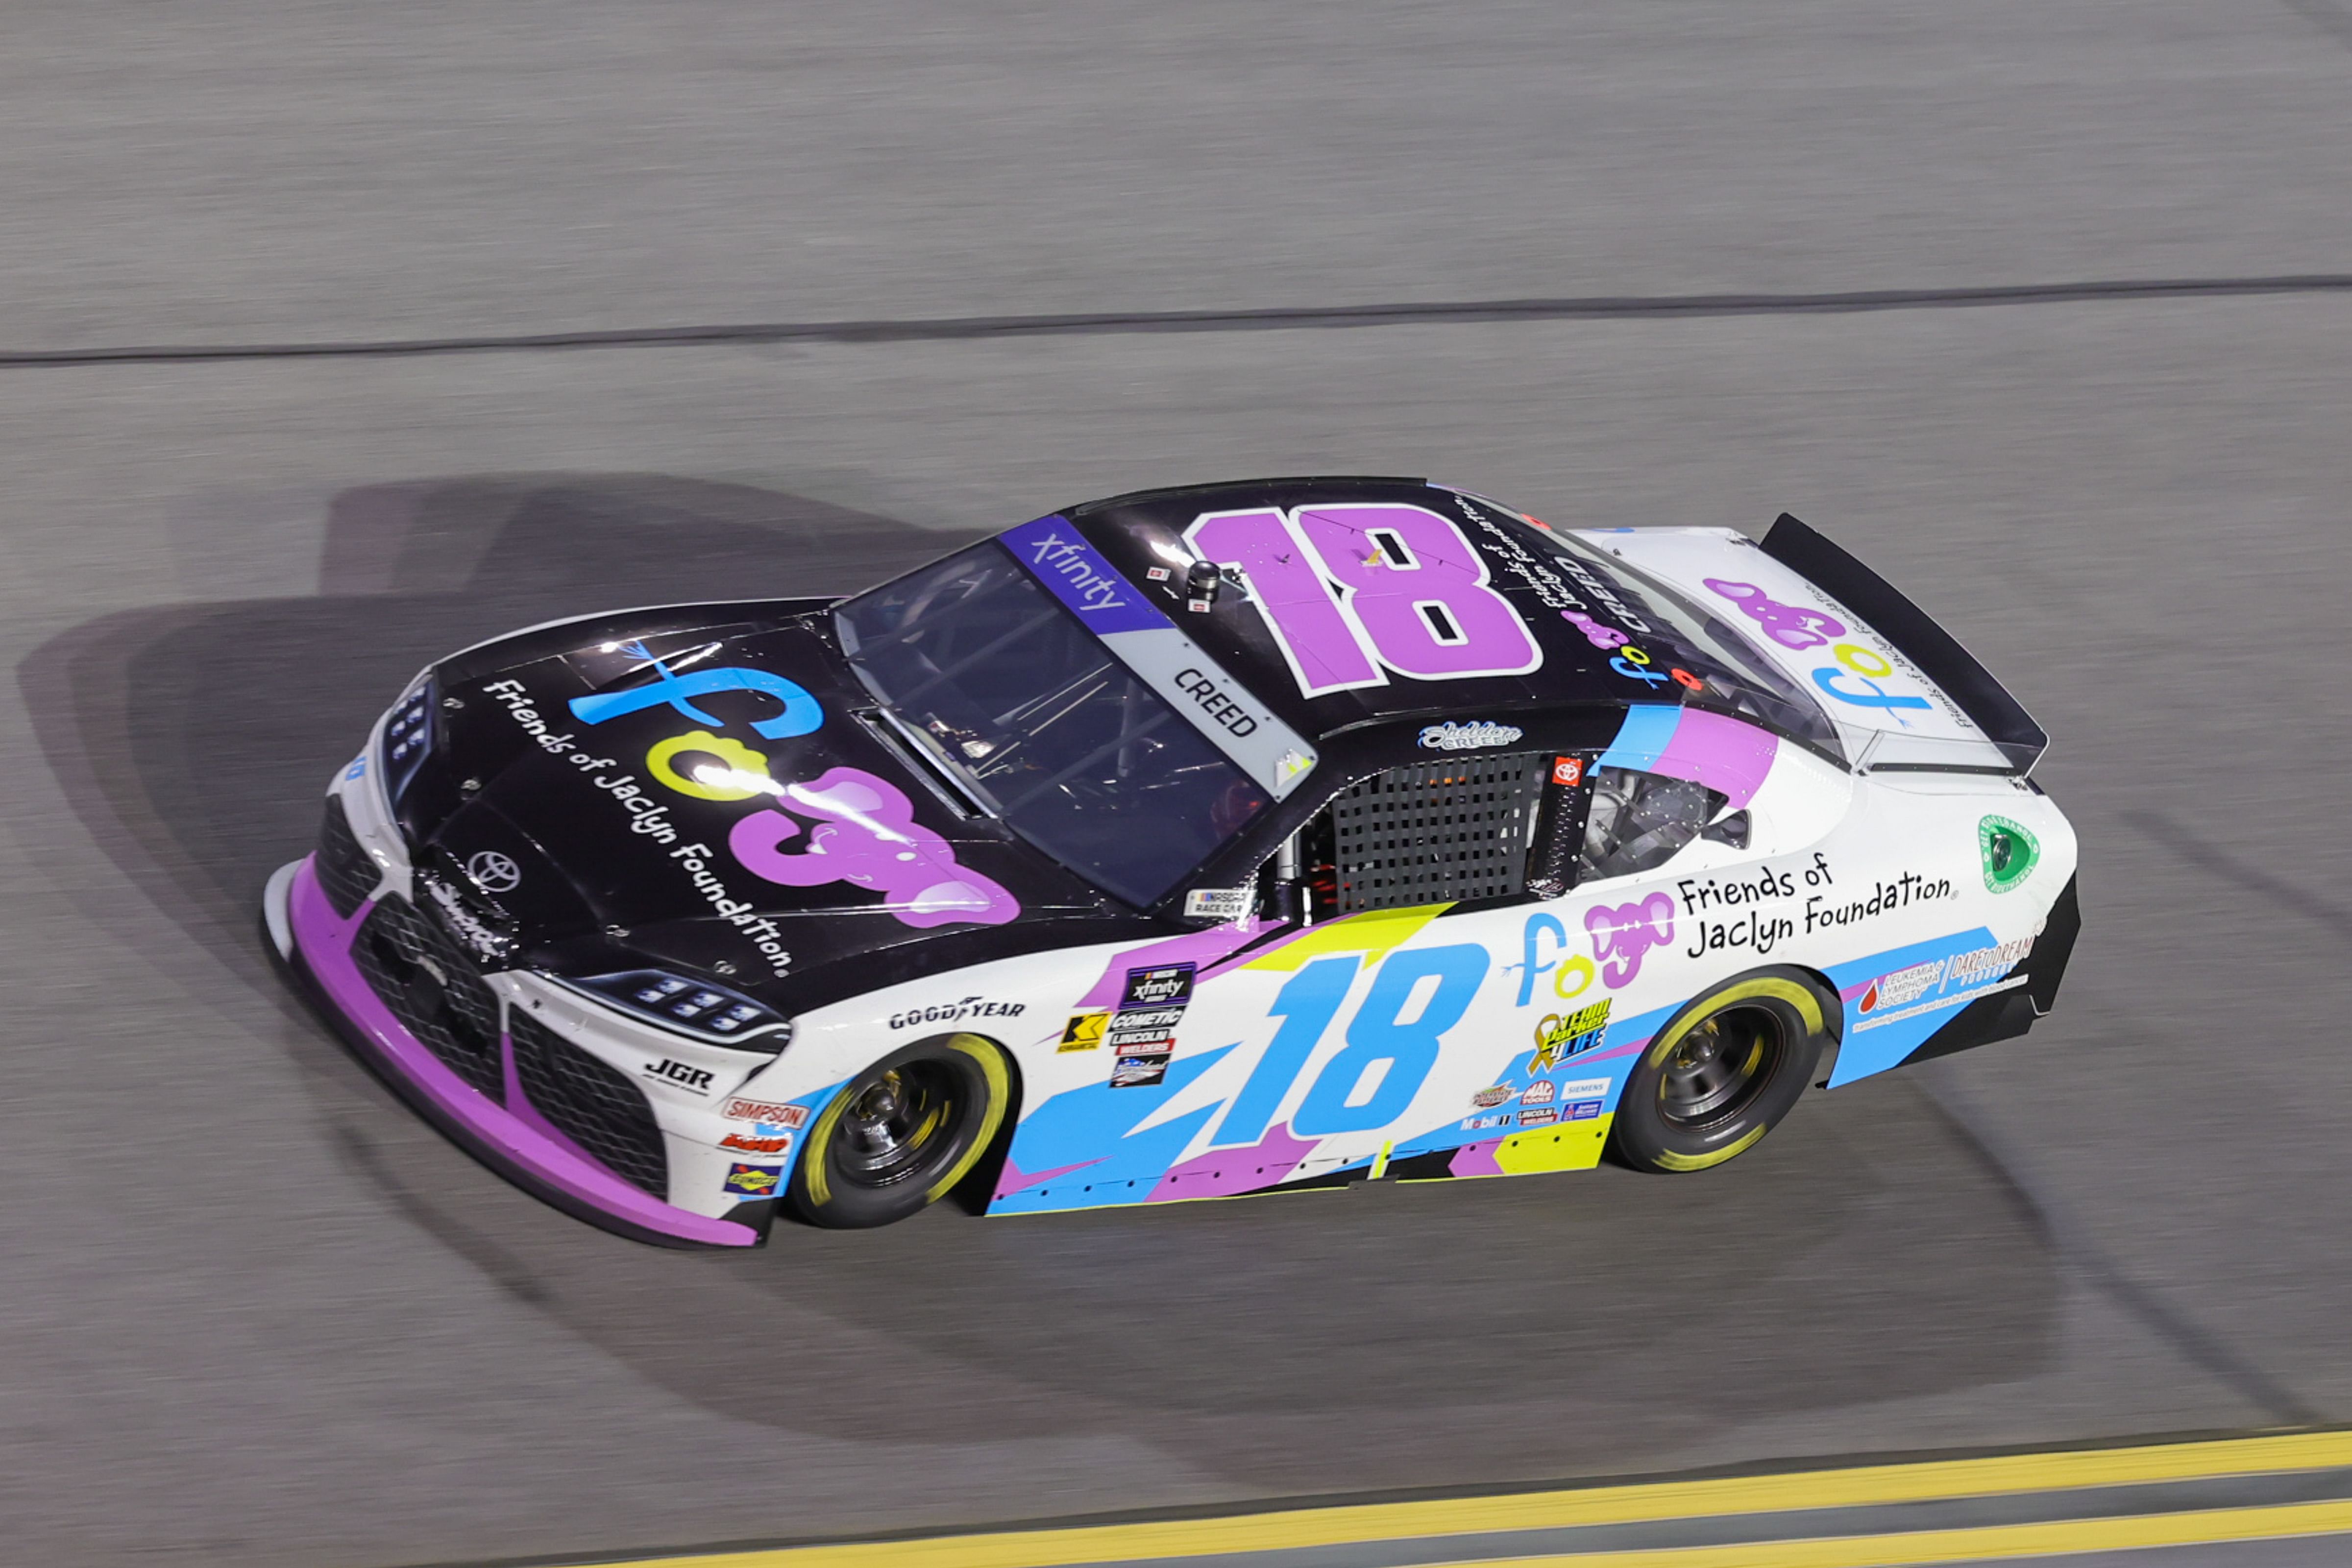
709,789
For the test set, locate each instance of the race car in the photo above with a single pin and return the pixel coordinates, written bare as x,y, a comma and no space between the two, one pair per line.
1232,839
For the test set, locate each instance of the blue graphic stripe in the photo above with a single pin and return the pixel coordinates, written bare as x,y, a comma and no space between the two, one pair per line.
1648,730
1876,1049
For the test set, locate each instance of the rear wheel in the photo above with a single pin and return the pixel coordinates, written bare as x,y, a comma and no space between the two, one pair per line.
1721,1074
903,1133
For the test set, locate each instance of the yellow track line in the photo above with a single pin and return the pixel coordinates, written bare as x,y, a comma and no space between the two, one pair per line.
1648,1501
1977,1544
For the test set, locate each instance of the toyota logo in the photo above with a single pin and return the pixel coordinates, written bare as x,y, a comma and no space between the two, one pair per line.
492,871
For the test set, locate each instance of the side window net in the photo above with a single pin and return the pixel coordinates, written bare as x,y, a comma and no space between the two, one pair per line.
1435,831
1638,822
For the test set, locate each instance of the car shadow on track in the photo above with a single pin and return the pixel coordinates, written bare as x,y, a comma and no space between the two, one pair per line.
1381,1337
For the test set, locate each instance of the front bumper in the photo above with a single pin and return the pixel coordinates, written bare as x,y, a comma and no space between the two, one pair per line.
503,1132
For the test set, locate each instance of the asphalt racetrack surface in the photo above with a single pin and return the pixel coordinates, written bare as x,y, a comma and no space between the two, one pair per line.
256,1314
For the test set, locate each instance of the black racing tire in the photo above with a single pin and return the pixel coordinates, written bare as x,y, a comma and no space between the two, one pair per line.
903,1133
1723,1072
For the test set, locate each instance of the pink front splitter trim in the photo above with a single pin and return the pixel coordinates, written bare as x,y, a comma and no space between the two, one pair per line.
325,943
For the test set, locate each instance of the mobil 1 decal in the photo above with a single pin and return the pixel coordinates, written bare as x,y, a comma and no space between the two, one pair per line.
1356,593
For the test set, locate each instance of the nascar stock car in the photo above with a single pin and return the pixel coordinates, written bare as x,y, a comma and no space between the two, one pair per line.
1194,842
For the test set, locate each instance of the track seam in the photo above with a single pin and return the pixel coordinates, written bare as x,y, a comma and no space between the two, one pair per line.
2328,17
2186,1338
1274,319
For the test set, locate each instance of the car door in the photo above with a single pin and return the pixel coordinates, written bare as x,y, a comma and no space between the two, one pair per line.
1367,1028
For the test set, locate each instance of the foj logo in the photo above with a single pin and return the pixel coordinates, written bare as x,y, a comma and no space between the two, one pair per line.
1797,627
1621,935
866,836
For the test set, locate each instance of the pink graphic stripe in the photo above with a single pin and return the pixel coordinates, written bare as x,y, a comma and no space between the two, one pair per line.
1720,753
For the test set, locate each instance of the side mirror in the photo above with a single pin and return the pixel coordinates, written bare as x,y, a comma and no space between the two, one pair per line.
1729,829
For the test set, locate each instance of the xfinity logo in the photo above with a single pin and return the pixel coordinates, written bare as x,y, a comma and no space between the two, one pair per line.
1069,561
695,1078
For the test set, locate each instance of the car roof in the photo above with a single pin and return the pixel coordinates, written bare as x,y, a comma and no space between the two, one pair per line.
1140,531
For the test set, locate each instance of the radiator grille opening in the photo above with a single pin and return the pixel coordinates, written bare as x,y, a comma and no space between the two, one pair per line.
592,1102
434,989
1436,832
346,875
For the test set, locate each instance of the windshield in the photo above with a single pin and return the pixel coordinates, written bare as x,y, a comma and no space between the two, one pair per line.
1050,731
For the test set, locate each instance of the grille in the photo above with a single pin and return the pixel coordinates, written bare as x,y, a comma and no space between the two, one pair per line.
1436,832
346,875
592,1102
433,988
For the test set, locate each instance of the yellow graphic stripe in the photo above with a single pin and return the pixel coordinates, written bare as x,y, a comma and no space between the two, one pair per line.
1729,1495
1373,934
1563,1146
1978,1545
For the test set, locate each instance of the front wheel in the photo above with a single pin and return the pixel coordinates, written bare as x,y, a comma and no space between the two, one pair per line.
1721,1074
902,1134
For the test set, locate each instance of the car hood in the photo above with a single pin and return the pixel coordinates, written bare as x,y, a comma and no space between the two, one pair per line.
711,789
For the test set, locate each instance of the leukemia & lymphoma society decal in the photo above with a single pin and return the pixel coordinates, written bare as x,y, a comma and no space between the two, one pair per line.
1943,983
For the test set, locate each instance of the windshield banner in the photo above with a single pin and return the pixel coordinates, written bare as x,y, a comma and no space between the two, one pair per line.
1163,658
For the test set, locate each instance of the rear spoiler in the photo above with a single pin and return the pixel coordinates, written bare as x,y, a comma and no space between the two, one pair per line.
1939,657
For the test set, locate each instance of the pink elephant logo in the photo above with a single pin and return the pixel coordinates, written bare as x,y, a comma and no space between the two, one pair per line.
869,838
1790,625
1622,933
